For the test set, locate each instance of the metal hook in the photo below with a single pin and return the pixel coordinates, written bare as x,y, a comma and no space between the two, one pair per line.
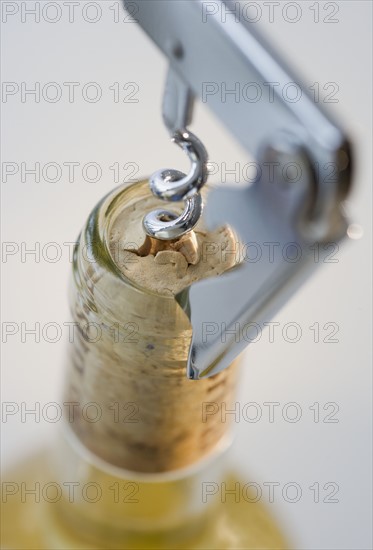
173,185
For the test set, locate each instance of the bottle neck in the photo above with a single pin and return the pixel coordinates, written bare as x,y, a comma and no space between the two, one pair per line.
101,502
142,464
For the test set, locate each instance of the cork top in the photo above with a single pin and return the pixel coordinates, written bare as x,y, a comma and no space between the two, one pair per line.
169,268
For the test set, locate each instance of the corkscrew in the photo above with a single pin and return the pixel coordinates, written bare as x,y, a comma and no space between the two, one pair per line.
165,224
277,208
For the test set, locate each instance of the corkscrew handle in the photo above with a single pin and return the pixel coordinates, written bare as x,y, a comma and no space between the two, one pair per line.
208,52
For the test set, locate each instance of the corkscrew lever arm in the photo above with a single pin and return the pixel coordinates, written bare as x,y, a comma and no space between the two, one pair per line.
303,171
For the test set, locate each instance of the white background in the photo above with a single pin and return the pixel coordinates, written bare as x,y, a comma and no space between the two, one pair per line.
106,132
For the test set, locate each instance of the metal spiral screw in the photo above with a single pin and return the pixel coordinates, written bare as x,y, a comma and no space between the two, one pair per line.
172,185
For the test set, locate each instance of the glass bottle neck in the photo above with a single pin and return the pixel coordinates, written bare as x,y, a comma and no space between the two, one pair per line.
101,502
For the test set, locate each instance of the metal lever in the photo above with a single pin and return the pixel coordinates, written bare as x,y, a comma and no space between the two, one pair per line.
272,210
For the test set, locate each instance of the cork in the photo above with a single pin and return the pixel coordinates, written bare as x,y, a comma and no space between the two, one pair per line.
134,406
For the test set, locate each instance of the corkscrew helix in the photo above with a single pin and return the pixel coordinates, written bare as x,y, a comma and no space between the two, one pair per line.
207,54
172,185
